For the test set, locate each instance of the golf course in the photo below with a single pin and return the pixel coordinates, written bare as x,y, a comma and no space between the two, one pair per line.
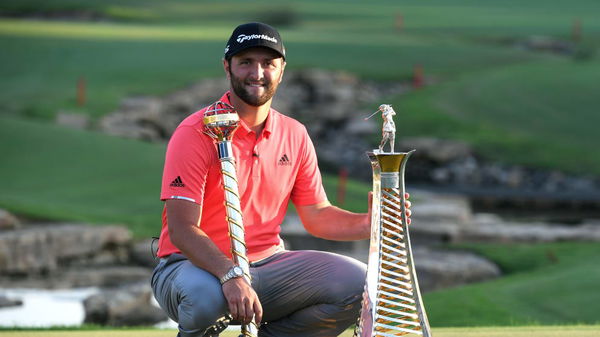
489,82
555,331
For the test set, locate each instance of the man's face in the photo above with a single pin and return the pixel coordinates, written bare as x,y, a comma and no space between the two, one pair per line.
254,74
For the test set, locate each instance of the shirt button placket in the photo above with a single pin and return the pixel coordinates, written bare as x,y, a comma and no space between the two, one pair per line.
255,162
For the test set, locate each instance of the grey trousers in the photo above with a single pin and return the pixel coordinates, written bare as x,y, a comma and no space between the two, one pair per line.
303,293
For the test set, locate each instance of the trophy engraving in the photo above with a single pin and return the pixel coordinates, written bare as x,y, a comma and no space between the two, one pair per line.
392,304
221,121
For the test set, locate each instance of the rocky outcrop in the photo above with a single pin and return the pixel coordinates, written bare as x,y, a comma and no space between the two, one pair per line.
54,255
453,165
78,277
43,249
331,105
324,101
71,255
449,219
126,306
491,228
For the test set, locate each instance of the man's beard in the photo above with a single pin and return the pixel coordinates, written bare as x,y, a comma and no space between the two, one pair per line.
237,84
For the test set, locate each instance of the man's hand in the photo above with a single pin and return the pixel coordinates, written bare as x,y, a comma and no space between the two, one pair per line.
242,301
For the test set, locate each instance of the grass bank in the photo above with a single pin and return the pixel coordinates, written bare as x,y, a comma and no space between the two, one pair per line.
553,283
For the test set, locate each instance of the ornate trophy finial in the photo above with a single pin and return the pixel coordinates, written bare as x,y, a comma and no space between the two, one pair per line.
221,121
389,128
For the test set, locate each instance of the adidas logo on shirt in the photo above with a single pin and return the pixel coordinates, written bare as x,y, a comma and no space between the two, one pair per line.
284,160
177,182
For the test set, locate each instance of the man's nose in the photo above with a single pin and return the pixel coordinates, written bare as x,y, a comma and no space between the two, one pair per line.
257,71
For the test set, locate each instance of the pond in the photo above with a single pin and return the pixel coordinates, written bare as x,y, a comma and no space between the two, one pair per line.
47,308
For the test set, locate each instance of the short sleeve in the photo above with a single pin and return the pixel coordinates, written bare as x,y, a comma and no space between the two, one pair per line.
187,162
308,187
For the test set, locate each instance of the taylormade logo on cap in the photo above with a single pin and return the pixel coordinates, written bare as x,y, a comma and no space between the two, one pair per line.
243,37
254,34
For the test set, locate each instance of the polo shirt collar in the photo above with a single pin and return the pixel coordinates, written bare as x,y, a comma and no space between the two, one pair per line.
243,129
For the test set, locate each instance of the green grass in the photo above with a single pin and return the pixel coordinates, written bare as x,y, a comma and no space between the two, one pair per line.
62,174
524,331
541,114
48,58
546,284
51,172
514,106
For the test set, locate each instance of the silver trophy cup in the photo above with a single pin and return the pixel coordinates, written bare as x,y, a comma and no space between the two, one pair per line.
392,304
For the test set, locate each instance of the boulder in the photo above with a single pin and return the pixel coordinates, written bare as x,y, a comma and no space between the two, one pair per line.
9,302
143,253
108,276
42,249
437,150
140,118
73,120
126,306
8,220
429,207
437,269
491,228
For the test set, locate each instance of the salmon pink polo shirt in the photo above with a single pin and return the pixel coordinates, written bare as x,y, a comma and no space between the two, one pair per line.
278,165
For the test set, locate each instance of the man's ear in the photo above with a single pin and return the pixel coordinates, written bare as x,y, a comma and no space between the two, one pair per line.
226,67
282,71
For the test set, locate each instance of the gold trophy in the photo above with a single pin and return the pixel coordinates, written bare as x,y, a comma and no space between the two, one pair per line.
392,304
221,121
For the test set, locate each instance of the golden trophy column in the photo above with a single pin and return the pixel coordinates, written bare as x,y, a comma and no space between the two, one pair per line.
392,304
221,121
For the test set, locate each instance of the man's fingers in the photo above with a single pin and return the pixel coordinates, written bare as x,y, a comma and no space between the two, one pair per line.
245,311
258,312
233,310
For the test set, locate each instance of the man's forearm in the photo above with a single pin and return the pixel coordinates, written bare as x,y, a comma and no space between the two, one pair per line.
183,218
200,249
333,223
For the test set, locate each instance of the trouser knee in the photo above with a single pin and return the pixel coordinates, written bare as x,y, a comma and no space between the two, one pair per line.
197,318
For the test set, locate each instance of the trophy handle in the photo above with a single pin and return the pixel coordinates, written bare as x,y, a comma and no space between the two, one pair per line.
221,121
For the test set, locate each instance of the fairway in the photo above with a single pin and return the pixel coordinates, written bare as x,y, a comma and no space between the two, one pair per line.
543,331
